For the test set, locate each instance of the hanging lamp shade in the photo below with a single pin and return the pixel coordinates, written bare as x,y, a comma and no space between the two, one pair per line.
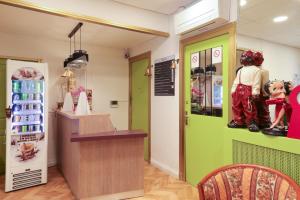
78,59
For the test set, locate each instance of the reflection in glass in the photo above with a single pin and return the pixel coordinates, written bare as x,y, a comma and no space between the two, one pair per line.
206,85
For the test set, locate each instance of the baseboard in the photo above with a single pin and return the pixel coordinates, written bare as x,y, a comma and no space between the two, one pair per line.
118,196
51,163
165,168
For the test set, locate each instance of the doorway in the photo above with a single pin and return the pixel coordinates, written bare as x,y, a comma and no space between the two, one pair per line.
205,100
140,98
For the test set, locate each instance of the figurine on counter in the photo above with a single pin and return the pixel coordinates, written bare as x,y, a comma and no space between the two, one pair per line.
294,126
263,113
279,92
245,92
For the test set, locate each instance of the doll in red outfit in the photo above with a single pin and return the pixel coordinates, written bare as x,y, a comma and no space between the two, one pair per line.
279,92
245,91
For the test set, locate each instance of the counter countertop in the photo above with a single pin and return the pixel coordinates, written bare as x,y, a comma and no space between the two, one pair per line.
108,135
72,115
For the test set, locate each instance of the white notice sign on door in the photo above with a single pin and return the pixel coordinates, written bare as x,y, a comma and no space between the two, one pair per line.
216,55
195,60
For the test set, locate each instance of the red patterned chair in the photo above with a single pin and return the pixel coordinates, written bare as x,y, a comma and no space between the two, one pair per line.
248,182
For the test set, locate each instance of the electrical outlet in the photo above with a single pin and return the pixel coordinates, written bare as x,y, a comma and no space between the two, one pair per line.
114,104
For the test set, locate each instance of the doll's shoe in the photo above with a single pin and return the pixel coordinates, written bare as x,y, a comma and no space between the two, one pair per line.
233,124
253,127
275,131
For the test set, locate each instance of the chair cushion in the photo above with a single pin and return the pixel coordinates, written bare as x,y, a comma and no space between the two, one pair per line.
247,183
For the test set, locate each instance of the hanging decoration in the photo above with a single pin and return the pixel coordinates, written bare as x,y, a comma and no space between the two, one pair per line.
80,57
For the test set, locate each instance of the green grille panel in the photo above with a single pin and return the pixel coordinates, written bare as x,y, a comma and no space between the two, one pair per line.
288,163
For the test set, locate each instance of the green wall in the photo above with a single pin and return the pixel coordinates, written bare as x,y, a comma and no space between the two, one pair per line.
280,153
243,135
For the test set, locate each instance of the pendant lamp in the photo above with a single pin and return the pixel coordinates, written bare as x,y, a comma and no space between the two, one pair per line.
80,57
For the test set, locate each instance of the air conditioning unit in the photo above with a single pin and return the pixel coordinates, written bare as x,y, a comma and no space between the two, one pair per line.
203,15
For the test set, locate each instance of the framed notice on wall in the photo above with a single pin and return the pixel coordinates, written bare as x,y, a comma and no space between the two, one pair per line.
164,77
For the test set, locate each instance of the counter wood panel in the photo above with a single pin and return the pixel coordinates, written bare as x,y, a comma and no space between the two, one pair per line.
118,162
100,163
68,153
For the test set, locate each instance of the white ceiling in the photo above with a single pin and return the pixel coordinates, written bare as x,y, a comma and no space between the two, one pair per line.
25,22
256,20
160,6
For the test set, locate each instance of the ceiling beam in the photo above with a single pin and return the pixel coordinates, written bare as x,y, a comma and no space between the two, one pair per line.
85,18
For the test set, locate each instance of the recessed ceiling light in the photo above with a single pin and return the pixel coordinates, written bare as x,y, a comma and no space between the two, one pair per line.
243,3
280,19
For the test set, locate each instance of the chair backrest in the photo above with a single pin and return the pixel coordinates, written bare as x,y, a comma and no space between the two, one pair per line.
243,182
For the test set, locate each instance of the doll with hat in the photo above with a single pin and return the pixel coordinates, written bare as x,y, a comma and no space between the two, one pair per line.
245,92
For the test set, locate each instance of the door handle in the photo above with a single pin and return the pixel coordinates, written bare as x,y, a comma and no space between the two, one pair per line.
8,112
186,118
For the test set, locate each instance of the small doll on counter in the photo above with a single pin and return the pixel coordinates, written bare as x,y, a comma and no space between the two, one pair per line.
279,92
245,92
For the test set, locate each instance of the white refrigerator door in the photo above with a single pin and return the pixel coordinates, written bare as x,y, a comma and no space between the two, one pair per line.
26,128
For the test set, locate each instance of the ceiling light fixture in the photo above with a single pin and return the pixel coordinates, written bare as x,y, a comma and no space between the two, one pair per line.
80,57
243,3
280,19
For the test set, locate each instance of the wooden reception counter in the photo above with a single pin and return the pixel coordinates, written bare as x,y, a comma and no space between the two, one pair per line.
97,161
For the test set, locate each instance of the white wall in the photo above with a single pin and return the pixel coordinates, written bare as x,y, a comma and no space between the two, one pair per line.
164,110
282,61
107,76
109,10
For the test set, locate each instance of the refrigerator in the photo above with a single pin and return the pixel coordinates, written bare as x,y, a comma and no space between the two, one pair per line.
26,124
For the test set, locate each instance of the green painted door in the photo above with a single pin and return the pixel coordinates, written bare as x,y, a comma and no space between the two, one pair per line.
140,100
205,88
2,114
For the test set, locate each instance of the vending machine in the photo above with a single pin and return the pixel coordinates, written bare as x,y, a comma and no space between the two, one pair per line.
26,124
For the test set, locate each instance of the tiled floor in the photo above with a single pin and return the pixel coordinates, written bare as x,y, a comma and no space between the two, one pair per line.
158,186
